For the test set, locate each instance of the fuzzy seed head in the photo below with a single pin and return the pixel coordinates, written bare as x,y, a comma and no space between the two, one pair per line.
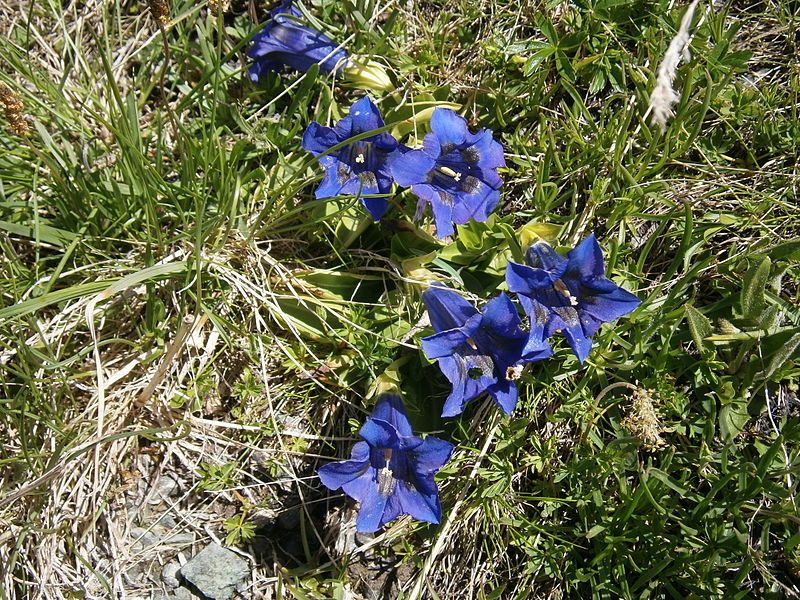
642,420
664,96
160,10
218,7
13,109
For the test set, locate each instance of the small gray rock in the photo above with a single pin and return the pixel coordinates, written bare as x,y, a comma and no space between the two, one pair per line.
183,593
144,538
180,539
215,571
167,521
165,487
169,574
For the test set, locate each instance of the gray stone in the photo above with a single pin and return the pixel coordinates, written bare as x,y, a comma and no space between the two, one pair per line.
169,574
216,571
144,538
167,486
179,539
167,521
183,593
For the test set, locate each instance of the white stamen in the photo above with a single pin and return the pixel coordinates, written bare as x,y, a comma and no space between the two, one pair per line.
360,158
472,343
514,373
564,290
386,480
450,173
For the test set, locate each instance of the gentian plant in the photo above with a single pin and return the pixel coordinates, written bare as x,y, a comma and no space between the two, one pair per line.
358,168
478,351
570,295
455,172
391,472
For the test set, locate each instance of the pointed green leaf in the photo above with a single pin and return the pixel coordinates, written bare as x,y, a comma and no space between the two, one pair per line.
732,419
753,287
700,328
784,353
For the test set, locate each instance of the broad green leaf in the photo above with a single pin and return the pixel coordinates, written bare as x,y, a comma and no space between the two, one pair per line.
532,232
732,419
345,286
597,529
784,353
768,319
45,233
753,287
787,250
700,328
516,250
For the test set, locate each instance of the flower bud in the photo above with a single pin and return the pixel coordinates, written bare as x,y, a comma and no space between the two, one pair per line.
366,73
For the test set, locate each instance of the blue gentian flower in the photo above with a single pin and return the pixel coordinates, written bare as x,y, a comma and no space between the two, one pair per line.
359,168
391,472
284,41
478,351
571,294
455,171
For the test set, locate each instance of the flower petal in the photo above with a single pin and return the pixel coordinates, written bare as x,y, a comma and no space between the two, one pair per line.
411,167
542,256
501,316
609,306
284,41
587,259
370,511
318,138
390,408
361,184
337,175
431,455
441,206
567,319
450,127
365,115
336,474
505,394
375,206
444,343
379,433
465,388
476,204
447,309
486,153
421,506
522,279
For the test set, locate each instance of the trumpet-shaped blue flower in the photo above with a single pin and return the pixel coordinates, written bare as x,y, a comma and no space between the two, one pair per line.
478,351
284,41
455,172
359,167
571,295
391,472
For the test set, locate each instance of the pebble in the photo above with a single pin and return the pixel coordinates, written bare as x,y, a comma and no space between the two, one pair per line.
144,538
216,571
169,574
166,487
